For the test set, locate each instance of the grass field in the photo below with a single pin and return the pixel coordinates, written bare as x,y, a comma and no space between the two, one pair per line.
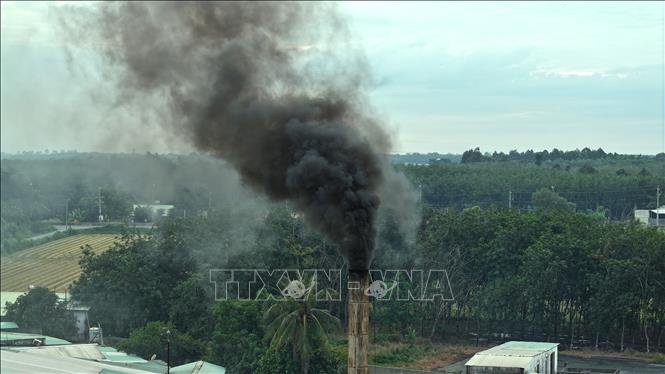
53,264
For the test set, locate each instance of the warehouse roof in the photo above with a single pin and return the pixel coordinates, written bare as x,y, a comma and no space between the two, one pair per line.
198,367
510,354
517,348
86,351
24,361
6,338
8,325
499,361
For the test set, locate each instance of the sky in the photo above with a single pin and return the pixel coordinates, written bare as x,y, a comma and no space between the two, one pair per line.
447,77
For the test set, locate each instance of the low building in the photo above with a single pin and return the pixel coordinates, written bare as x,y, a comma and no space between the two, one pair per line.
151,212
657,216
651,216
515,358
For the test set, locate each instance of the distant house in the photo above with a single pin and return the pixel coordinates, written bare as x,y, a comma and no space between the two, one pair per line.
156,211
515,358
651,216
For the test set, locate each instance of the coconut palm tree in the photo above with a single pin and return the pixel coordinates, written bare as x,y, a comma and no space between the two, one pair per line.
299,324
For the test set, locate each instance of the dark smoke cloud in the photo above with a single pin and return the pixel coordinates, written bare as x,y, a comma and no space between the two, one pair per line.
273,88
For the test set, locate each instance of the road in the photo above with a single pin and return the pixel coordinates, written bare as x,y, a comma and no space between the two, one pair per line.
87,226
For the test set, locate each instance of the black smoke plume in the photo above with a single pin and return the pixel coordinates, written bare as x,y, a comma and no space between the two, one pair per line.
275,89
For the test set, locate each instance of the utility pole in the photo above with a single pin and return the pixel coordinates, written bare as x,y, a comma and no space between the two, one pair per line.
67,214
510,199
99,201
168,351
657,206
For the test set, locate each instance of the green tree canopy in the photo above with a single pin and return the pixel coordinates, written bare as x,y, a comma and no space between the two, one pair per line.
40,309
153,338
545,199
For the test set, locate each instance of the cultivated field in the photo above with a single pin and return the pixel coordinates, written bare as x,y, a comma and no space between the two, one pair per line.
53,264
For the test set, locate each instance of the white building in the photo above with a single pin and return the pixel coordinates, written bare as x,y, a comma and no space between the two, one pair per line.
156,210
515,358
651,216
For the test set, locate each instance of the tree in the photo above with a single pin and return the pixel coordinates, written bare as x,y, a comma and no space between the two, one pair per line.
546,199
135,281
153,338
142,214
472,155
587,169
191,307
115,204
644,173
237,340
300,326
279,361
40,309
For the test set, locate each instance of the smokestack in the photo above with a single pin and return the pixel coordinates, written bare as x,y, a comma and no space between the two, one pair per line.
358,321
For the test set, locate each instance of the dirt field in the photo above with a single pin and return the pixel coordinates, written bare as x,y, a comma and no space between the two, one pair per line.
53,264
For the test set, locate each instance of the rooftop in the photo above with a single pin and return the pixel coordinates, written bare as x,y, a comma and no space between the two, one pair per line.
510,354
8,325
29,361
6,337
91,358
519,349
199,367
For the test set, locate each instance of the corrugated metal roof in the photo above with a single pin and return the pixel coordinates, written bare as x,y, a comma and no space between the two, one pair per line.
19,362
544,346
199,367
8,325
86,351
49,340
521,349
499,361
511,354
156,366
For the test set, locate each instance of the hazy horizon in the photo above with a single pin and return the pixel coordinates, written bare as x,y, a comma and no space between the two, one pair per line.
448,77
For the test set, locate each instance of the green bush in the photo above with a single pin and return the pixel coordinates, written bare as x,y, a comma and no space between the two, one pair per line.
153,339
385,338
398,355
281,361
237,340
39,309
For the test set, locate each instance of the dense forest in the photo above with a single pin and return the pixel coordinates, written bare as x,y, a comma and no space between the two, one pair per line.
616,186
557,262
37,189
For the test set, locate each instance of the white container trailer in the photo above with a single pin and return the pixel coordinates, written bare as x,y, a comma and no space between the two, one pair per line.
515,358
